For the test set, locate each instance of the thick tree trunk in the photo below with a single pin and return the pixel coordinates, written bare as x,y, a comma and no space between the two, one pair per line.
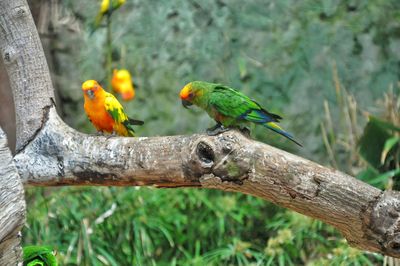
7,112
12,207
54,154
27,69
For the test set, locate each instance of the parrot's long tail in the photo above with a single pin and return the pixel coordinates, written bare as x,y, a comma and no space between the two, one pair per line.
274,127
131,131
129,126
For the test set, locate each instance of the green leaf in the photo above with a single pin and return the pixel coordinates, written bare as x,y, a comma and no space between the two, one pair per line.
39,255
30,252
108,256
384,177
36,262
389,144
384,124
372,141
368,174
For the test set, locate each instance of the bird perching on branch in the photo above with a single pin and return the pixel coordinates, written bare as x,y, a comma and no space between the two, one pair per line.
107,7
229,108
105,111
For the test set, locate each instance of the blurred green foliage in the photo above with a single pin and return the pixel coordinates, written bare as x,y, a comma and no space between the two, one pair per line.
380,148
288,55
39,256
144,226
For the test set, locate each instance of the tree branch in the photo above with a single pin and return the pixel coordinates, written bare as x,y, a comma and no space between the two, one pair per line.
55,154
366,216
27,69
73,158
12,207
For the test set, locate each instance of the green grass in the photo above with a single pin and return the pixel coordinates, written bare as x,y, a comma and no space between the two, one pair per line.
147,226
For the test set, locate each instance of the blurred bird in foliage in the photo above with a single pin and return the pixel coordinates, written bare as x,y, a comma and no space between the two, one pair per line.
106,8
105,112
39,256
229,108
122,83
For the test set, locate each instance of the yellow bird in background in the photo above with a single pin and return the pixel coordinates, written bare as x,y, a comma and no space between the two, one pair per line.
122,83
106,8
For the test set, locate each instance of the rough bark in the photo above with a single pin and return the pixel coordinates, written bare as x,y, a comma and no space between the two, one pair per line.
7,112
27,69
367,217
12,207
53,154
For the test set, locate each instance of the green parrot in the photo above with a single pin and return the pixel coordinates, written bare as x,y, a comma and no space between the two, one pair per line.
39,256
229,108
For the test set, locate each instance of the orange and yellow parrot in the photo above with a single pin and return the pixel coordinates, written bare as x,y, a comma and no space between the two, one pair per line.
122,83
105,112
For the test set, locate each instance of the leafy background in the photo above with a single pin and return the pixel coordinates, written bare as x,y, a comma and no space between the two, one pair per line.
323,65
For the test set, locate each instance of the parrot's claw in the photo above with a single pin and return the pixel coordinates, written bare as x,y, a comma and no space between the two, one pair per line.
99,133
217,125
217,129
114,134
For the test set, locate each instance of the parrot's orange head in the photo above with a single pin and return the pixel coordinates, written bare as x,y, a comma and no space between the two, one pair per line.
90,88
187,95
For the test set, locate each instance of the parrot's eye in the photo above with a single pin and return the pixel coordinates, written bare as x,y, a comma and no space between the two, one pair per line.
90,93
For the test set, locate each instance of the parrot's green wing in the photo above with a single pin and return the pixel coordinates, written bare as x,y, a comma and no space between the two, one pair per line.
114,108
39,256
232,103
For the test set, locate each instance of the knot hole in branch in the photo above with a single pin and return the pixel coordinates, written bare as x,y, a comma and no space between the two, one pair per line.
9,55
199,158
205,153
20,12
394,245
